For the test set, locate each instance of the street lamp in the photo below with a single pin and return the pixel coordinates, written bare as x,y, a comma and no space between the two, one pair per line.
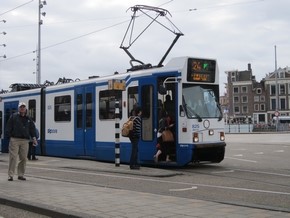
4,21
4,33
4,45
40,22
4,56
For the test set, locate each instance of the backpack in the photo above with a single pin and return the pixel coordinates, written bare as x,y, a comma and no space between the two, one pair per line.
127,127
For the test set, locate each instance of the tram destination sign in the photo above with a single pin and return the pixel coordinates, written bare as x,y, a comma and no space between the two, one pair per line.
116,84
201,70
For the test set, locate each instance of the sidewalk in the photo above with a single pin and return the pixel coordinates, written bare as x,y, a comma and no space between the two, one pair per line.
66,199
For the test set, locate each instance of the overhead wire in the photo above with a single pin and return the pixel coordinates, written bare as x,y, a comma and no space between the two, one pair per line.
108,27
15,8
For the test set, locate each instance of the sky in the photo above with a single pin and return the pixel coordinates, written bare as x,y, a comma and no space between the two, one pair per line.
80,39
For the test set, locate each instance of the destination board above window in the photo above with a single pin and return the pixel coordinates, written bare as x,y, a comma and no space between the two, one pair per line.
201,70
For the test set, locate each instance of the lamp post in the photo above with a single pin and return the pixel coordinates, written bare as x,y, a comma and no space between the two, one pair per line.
38,65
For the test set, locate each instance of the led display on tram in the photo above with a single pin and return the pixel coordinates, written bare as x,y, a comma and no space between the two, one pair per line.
201,70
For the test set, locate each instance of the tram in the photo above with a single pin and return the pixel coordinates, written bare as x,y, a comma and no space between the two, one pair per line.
77,119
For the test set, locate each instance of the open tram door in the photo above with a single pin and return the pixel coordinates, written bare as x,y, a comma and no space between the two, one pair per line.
167,103
147,93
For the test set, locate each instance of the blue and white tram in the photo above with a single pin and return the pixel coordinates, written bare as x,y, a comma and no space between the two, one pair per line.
77,119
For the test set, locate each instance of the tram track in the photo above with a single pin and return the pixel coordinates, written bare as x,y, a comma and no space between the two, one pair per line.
180,186
228,173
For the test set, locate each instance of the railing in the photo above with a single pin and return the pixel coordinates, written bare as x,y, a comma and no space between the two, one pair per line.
259,127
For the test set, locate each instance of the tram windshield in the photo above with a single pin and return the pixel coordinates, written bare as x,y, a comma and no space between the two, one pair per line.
201,101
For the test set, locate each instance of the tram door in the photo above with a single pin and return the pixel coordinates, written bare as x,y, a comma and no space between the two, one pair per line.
9,109
85,119
147,97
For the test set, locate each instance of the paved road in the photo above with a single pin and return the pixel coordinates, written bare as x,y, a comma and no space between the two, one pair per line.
95,189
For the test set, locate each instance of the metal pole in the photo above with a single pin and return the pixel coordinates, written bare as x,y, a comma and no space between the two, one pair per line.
276,80
38,78
276,87
117,133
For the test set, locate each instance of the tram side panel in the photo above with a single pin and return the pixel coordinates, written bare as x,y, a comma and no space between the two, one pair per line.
59,120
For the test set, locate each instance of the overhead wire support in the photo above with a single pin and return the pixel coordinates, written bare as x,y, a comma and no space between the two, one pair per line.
144,9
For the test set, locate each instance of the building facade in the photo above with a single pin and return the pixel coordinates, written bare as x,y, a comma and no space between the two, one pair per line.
249,101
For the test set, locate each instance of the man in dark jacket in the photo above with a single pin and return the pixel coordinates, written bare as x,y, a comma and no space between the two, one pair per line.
134,138
20,128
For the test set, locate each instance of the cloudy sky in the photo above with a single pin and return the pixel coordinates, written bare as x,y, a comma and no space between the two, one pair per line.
82,38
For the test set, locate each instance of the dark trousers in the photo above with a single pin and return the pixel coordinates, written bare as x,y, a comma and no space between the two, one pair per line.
134,152
31,151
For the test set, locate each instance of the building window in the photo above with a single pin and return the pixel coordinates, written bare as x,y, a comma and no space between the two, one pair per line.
236,90
256,107
244,99
282,75
245,109
256,98
283,103
237,110
259,91
262,107
244,89
236,99
262,98
273,104
273,90
282,89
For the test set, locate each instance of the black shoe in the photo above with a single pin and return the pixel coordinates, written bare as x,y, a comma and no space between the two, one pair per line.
135,167
29,158
34,158
21,178
10,178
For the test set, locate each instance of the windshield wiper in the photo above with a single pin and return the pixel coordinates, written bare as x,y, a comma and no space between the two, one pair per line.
193,112
220,110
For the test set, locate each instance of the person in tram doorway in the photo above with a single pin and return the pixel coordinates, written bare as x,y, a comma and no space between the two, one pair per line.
164,138
134,138
20,128
32,147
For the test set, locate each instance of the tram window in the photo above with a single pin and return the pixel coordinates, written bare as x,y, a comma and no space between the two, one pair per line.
79,111
62,108
89,111
1,128
132,99
32,109
107,104
146,101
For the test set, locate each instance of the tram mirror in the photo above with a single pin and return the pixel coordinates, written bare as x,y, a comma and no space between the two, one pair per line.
181,111
162,90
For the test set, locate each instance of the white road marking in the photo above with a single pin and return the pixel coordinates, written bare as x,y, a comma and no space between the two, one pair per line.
238,155
252,161
261,172
227,171
183,189
259,152
279,151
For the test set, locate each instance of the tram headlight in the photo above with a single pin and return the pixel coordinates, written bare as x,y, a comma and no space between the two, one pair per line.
195,137
222,136
210,132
